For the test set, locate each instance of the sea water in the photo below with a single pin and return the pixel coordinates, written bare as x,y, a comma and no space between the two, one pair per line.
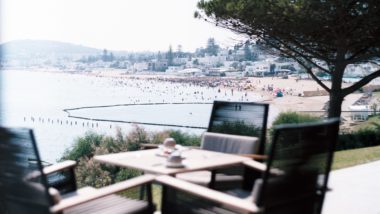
38,99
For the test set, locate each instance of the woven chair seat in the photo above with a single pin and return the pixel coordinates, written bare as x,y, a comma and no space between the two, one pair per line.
110,204
204,178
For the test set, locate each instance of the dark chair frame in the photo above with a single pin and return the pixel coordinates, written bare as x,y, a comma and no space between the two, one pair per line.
333,125
236,204
40,173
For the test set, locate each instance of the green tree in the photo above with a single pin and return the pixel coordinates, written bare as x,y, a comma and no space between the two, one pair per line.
159,57
200,52
169,56
105,55
247,51
111,57
179,51
338,33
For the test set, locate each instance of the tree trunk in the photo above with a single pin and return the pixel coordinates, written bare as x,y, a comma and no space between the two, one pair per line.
336,93
335,104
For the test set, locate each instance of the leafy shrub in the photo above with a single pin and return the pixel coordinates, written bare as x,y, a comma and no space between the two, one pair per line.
136,137
358,139
84,147
291,117
294,117
237,128
364,137
184,138
91,173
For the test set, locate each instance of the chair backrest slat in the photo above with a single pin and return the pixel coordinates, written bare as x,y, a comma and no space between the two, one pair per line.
240,118
22,183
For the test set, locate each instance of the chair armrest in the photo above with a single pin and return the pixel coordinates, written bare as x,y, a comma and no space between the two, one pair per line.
254,156
262,167
59,167
212,195
255,165
109,190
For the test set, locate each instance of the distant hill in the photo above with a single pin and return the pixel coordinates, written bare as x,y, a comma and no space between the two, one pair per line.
44,48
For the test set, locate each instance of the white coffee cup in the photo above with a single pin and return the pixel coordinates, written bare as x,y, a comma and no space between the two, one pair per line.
169,143
175,158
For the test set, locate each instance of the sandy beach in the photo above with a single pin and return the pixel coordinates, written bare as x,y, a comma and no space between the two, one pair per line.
291,101
293,89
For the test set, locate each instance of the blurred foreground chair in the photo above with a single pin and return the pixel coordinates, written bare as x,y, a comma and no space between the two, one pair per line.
24,184
294,180
235,128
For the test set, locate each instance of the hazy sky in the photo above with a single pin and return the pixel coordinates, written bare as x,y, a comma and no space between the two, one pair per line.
135,25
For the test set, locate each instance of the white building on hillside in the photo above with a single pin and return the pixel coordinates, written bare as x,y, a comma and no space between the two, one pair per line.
212,61
359,113
360,70
173,69
140,66
191,72
257,69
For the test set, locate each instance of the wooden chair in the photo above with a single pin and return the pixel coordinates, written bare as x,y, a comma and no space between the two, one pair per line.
24,184
240,118
233,128
294,180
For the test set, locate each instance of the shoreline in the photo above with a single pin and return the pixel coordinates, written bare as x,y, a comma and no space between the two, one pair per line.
291,101
261,87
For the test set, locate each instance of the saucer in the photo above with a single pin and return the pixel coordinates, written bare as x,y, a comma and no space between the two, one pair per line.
174,165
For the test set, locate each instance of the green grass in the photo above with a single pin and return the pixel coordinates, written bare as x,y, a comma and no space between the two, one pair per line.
157,195
348,158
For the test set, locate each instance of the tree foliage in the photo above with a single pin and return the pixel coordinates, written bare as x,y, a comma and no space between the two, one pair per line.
335,32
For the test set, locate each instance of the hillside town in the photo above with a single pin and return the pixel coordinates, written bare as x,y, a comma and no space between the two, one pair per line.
242,60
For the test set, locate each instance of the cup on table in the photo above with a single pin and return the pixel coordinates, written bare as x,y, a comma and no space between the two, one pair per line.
169,143
175,159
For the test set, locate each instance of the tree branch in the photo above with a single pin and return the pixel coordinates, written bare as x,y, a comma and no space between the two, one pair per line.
363,50
299,54
376,63
299,45
361,83
309,71
305,66
363,57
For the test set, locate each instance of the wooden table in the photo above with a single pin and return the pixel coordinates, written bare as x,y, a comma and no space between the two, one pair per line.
148,161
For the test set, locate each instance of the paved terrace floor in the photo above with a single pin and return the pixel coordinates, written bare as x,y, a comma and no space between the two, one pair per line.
354,190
